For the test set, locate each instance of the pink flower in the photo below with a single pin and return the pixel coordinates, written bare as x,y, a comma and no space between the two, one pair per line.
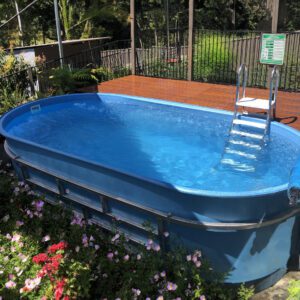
110,255
39,205
85,240
97,247
19,224
166,234
30,284
139,257
198,264
156,248
46,238
163,274
16,237
126,257
136,292
77,220
156,277
171,286
10,284
149,244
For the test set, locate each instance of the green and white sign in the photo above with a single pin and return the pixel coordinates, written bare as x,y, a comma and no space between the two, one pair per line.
272,48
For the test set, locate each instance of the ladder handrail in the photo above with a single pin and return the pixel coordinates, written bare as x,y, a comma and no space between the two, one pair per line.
274,88
243,70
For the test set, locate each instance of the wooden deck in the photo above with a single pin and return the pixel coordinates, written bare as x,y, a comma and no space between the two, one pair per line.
204,94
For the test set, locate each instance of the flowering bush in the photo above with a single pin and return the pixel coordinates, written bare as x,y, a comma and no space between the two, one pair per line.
47,252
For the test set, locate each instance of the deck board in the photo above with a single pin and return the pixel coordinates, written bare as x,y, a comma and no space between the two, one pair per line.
204,94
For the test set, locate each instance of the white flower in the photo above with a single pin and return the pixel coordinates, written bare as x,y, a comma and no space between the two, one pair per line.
5,218
46,238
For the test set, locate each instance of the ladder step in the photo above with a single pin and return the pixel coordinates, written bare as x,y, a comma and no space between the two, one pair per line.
240,153
249,123
237,165
255,103
245,144
247,134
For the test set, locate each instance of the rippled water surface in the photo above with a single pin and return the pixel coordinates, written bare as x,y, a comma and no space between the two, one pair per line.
180,146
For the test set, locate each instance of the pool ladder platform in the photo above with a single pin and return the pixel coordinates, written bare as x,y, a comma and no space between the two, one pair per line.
249,132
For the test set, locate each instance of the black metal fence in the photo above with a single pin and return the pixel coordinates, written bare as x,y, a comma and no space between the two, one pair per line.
162,55
216,57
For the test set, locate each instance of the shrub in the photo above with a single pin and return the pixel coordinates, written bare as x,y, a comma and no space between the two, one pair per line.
211,57
14,81
61,81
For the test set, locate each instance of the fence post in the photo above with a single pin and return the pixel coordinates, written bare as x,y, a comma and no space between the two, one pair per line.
132,25
190,40
273,5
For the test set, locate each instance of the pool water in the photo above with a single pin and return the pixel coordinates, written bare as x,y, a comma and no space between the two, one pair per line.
180,146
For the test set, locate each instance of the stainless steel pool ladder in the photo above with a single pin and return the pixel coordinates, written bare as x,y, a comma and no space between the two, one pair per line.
249,132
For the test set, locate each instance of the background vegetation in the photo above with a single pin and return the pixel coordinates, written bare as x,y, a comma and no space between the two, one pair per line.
94,18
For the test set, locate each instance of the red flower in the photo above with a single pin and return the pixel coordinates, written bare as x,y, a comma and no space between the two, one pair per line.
40,258
59,289
54,248
56,257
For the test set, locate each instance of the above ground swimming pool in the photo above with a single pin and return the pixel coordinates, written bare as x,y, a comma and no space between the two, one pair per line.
135,159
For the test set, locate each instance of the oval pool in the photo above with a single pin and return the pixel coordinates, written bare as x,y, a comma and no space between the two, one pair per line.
141,159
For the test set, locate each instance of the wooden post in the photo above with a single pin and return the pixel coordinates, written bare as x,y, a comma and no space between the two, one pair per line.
190,40
273,6
274,12
133,38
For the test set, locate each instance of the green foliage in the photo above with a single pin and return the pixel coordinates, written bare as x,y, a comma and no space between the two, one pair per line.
14,81
294,290
291,20
211,57
10,99
84,77
90,263
245,293
62,81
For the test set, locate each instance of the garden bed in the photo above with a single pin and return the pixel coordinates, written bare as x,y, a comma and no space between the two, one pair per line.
47,252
